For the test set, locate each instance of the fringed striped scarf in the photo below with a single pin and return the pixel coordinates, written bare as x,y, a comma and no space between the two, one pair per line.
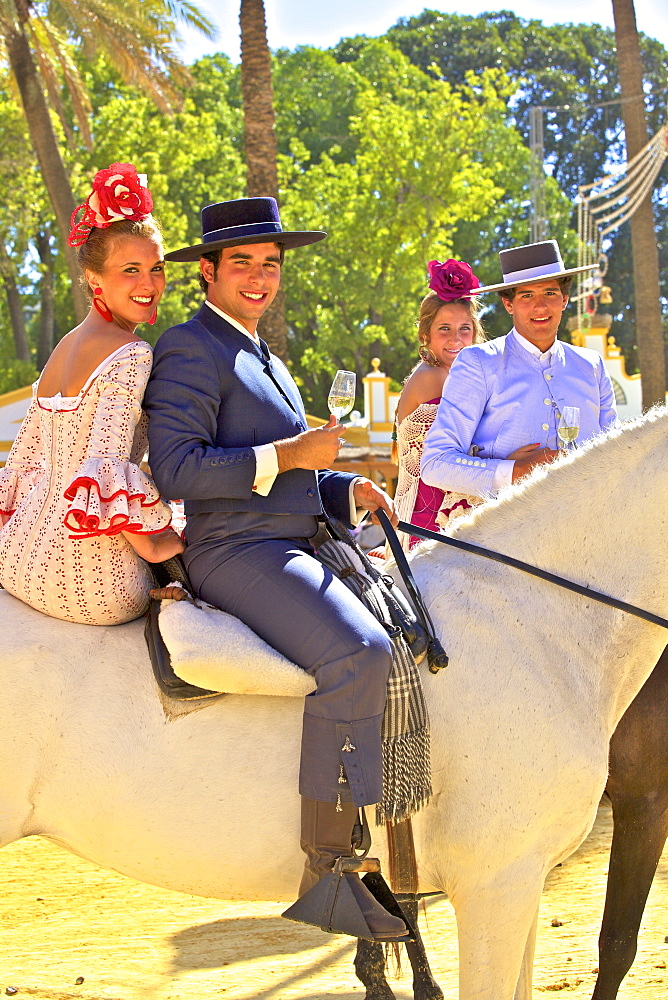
406,740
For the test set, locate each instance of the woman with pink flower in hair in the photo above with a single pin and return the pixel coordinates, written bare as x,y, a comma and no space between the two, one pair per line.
80,519
448,323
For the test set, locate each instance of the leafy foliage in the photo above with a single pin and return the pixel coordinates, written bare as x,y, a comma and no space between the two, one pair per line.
570,70
428,160
16,375
394,145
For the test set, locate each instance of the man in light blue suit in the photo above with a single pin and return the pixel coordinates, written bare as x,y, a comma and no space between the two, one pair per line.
228,435
506,396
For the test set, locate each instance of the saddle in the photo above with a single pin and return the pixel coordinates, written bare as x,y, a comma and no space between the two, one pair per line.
165,573
186,630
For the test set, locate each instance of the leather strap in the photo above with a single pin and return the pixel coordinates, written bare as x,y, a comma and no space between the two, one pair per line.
542,574
405,570
436,655
403,864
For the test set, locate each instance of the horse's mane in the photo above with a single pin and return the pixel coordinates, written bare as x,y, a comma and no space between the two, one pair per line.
588,478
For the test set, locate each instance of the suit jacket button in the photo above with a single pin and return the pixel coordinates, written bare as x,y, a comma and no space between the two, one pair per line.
310,492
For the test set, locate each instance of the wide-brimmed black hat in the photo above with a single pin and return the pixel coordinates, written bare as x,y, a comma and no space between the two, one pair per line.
245,220
529,263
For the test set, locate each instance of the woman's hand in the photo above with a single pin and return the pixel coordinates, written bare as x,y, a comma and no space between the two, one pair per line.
156,548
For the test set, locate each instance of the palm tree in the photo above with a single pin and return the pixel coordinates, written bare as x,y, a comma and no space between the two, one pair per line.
8,279
135,36
649,333
260,142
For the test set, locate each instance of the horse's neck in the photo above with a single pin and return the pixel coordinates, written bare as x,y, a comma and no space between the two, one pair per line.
600,520
594,518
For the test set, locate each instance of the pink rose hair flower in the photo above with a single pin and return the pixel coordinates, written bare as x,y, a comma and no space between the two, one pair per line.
119,192
452,279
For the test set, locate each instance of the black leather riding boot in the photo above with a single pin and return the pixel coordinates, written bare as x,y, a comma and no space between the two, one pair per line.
327,835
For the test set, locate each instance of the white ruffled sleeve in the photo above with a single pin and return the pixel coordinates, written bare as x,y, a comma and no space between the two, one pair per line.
109,493
24,466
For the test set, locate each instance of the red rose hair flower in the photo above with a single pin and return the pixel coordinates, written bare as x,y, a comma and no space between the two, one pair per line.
119,192
453,279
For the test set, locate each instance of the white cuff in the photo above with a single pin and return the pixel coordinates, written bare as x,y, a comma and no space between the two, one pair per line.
503,474
266,468
356,513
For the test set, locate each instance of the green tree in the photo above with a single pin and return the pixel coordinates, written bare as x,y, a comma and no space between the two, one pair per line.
426,159
23,198
315,100
571,69
35,40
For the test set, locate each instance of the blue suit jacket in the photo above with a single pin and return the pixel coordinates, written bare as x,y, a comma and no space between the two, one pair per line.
210,398
498,398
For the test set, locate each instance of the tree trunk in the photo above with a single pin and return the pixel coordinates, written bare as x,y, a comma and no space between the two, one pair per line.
258,102
649,333
260,143
21,348
45,145
46,298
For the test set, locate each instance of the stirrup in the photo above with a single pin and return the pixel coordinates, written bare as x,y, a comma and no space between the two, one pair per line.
331,904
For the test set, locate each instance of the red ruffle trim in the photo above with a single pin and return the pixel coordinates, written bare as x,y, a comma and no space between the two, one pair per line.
88,483
88,527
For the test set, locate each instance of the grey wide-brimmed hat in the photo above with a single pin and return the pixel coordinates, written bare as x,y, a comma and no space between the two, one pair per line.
245,220
529,263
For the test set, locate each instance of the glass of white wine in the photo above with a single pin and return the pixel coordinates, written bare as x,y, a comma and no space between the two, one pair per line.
569,427
341,397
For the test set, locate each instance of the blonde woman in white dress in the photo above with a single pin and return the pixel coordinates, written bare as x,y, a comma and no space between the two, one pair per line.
448,323
80,519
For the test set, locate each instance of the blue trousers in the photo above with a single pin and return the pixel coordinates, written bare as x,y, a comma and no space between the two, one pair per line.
261,569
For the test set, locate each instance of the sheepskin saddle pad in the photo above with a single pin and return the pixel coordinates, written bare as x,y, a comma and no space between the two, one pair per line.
216,651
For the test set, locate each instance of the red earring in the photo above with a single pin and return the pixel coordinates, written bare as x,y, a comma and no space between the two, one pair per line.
153,318
101,305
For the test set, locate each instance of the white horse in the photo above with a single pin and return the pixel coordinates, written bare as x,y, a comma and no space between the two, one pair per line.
203,797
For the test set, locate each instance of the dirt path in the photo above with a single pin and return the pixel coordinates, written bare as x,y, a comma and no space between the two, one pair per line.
62,919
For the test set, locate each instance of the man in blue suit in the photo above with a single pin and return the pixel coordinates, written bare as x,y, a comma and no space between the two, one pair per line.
505,396
228,434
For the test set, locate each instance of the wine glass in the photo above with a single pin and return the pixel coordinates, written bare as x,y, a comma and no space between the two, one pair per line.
569,427
341,397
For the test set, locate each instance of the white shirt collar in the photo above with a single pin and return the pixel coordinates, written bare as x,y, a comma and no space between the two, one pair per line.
532,349
233,322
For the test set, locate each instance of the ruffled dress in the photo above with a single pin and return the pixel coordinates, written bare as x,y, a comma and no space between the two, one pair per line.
71,484
415,500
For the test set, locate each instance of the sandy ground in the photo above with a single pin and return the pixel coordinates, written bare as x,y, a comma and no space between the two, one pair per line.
63,920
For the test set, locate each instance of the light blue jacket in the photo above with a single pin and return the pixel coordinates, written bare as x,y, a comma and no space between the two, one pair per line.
498,398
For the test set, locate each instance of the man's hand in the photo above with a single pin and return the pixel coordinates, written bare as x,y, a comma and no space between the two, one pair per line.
370,497
314,449
528,457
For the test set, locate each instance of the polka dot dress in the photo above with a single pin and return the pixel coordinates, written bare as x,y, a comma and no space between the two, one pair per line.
71,484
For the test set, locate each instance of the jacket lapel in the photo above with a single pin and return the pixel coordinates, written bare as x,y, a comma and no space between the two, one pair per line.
285,386
277,373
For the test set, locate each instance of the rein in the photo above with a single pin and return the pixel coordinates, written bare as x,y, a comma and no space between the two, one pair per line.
478,550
